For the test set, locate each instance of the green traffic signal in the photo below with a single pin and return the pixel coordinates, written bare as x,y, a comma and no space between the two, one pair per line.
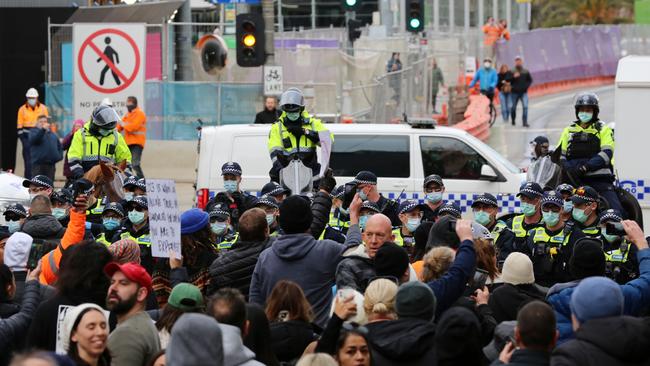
414,23
350,2
351,5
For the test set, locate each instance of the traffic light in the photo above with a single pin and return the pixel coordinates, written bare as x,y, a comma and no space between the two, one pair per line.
353,29
250,40
351,5
414,15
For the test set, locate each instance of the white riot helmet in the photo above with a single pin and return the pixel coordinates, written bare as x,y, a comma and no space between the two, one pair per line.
292,100
31,93
107,102
103,120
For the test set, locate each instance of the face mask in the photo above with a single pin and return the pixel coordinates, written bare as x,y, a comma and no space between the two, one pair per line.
412,224
59,213
136,217
579,215
130,107
362,195
487,65
528,209
270,219
433,197
362,221
105,132
585,117
218,227
482,217
293,116
551,218
610,238
230,185
31,102
111,224
13,226
567,206
128,196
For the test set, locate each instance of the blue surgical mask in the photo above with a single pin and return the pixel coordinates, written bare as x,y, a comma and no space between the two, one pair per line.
482,217
579,215
528,209
218,227
270,219
13,226
433,197
610,238
293,116
363,220
136,217
111,224
230,185
362,195
567,206
128,196
412,224
551,218
59,213
585,117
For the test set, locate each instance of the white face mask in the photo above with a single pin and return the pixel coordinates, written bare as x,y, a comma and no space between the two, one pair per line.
31,101
487,65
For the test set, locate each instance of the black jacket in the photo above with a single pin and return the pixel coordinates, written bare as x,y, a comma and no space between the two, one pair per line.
234,268
267,116
406,341
43,227
14,328
320,210
622,340
522,83
526,357
289,339
505,77
507,299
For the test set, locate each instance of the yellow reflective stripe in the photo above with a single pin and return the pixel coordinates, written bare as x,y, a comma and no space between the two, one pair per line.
399,240
144,239
518,226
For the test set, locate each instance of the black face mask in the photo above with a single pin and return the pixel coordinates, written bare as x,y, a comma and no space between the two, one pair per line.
130,107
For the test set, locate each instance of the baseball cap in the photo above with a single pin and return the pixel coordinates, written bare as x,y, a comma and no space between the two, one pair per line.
338,192
134,272
273,189
231,168
450,208
584,194
408,206
39,180
115,207
186,297
531,190
365,177
268,201
433,178
130,181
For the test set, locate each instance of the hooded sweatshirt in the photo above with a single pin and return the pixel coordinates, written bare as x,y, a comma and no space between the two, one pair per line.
620,340
309,262
43,226
196,341
458,338
407,341
235,353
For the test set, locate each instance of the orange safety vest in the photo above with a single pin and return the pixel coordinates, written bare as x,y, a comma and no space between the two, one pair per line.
73,235
28,116
134,127
492,34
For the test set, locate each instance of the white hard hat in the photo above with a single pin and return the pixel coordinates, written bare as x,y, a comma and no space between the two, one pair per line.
32,93
107,101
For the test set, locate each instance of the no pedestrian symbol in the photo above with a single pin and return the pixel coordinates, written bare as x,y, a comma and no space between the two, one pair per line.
112,77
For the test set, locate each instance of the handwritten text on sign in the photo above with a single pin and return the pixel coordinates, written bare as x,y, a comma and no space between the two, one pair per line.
164,218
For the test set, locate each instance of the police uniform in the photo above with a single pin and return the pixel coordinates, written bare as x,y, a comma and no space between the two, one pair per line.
502,236
386,206
223,241
140,236
405,236
87,150
448,209
621,264
106,236
517,225
583,195
237,202
429,214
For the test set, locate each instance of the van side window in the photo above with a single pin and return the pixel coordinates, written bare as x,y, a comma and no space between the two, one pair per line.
386,156
450,158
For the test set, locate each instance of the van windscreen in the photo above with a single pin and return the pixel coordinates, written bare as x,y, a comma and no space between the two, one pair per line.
386,156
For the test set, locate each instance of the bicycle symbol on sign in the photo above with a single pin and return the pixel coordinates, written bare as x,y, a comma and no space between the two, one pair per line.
273,75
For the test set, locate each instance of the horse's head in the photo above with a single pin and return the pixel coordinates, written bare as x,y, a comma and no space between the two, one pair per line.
107,179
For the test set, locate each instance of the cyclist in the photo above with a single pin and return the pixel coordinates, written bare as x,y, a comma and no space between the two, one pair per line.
487,78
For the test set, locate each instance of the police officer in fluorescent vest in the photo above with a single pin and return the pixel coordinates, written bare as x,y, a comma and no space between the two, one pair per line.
410,214
112,218
272,211
551,245
621,264
434,188
295,134
136,228
588,149
566,190
485,208
221,226
530,196
98,141
449,209
585,211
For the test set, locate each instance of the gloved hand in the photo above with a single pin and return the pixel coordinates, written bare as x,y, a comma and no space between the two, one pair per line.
295,130
327,183
77,174
312,135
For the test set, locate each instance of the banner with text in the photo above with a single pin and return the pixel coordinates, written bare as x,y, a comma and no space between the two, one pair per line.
164,218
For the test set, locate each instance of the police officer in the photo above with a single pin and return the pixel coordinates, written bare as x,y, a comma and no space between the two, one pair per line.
366,182
449,209
296,133
61,203
128,188
39,185
585,211
236,200
274,190
272,210
530,196
566,191
368,208
551,246
433,191
136,228
621,264
410,215
588,149
112,218
339,216
485,209
98,141
220,224
15,216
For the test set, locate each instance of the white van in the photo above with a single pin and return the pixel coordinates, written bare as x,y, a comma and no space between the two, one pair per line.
400,155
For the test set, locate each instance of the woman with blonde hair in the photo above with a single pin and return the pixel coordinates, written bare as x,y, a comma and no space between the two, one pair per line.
436,263
379,300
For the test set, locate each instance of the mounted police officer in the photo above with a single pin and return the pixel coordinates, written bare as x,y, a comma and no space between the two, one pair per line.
98,141
485,209
587,148
621,264
295,134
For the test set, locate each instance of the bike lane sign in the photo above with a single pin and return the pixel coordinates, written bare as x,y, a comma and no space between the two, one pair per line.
273,83
108,63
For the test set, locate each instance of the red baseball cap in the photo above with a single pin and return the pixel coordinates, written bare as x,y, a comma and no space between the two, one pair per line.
132,271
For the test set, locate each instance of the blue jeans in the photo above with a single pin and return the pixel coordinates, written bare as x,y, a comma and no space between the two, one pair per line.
505,99
136,156
524,101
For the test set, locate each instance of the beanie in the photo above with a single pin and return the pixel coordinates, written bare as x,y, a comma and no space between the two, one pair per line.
588,259
518,269
193,220
70,318
442,235
17,250
391,260
596,297
295,215
415,300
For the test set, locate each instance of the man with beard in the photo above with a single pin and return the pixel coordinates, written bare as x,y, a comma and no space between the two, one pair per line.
135,339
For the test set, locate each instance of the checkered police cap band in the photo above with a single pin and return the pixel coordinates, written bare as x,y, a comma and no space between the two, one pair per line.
17,209
365,177
267,201
115,207
433,178
141,183
231,168
371,206
611,215
42,181
450,208
219,212
140,201
529,191
130,181
584,195
486,200
408,206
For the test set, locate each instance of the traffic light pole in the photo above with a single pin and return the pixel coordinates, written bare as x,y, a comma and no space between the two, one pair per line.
269,24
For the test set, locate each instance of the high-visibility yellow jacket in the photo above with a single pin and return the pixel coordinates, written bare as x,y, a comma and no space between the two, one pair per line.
86,150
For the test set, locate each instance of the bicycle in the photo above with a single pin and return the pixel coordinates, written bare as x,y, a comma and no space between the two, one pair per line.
493,109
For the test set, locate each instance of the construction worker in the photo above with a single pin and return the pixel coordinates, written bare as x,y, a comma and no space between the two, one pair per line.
112,218
530,196
134,127
295,135
27,117
98,141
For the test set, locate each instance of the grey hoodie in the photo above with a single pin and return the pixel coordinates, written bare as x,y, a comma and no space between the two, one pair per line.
43,226
196,341
235,353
